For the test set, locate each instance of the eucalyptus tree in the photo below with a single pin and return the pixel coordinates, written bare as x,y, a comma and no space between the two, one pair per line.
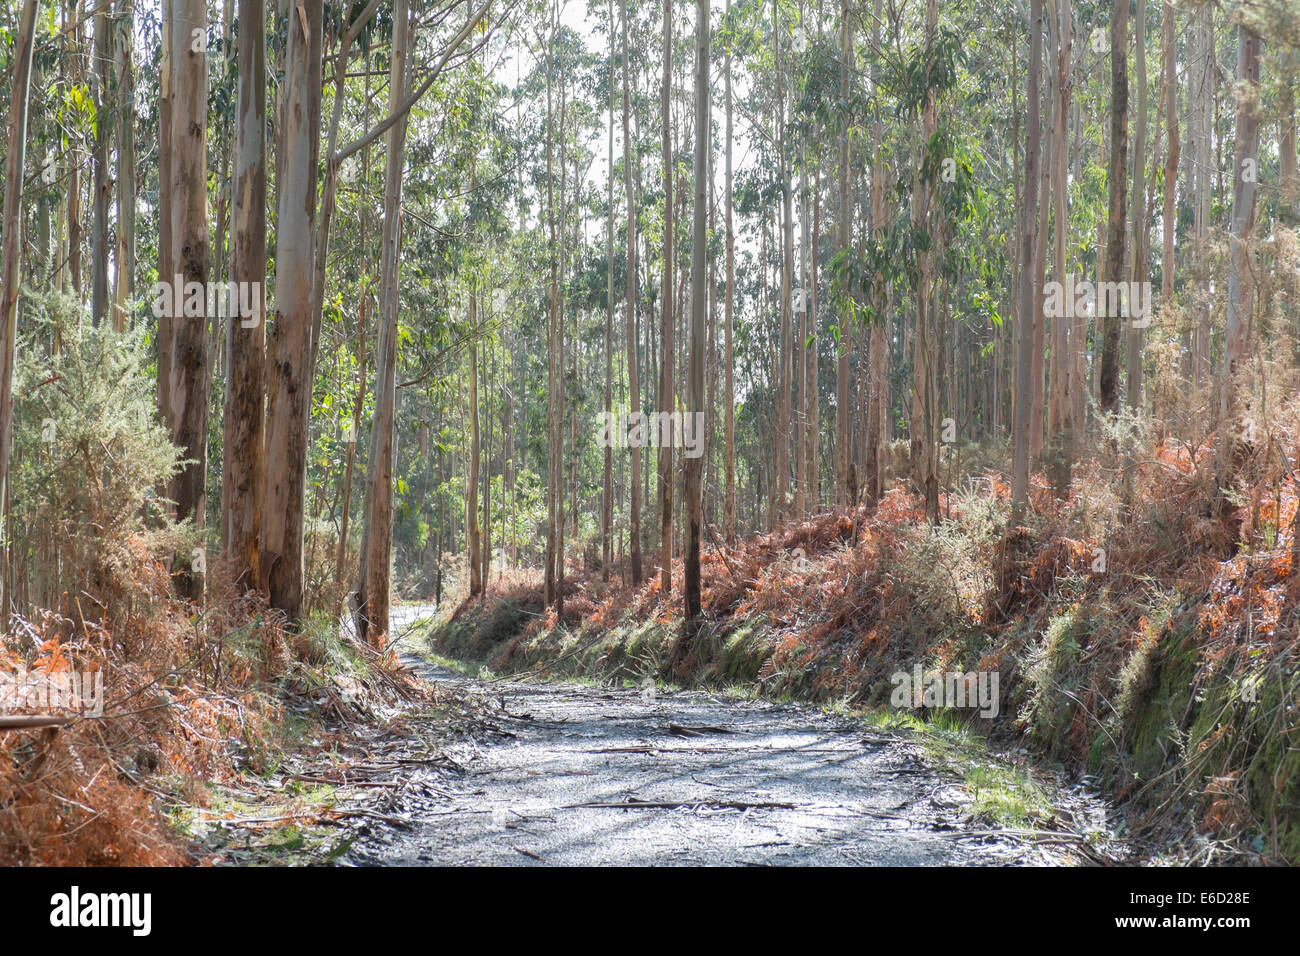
694,490
243,459
289,347
667,405
190,256
377,537
1117,181
15,153
1028,305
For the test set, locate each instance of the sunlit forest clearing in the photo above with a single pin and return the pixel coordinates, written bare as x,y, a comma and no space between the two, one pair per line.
933,364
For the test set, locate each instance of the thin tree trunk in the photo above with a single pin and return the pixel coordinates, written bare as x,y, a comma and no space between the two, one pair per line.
607,486
124,283
1117,179
1169,215
349,468
666,316
1038,369
166,323
699,303
550,589
877,384
781,485
10,254
377,533
363,309
1024,358
103,185
243,461
812,404
1060,422
1137,203
729,399
471,482
926,354
1242,224
843,493
485,547
633,377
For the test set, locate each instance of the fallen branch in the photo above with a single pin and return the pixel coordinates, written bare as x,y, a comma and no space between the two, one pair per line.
680,730
683,805
29,722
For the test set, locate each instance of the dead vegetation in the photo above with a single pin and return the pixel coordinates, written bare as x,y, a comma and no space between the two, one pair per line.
192,702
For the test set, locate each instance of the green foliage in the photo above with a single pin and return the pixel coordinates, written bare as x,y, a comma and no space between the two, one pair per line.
89,456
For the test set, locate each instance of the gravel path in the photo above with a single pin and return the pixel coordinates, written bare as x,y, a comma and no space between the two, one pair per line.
580,775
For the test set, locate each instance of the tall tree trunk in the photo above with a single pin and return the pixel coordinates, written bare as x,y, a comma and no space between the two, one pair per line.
191,260
607,486
1245,166
1059,418
1201,114
363,309
1117,179
103,184
1289,212
781,484
243,463
1079,384
699,303
1037,369
1137,203
166,323
124,283
799,350
10,255
550,589
473,542
290,384
485,546
927,353
633,376
554,581
844,233
877,369
1025,320
377,532
349,468
812,403
728,365
1169,216
666,405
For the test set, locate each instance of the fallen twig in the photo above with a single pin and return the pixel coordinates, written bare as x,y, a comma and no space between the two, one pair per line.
682,731
683,805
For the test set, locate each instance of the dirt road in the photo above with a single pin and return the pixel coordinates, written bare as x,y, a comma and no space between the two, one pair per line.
579,775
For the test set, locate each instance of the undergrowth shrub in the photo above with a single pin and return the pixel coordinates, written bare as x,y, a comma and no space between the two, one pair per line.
89,456
190,695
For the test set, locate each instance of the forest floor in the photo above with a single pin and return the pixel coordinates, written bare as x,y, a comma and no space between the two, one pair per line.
567,773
